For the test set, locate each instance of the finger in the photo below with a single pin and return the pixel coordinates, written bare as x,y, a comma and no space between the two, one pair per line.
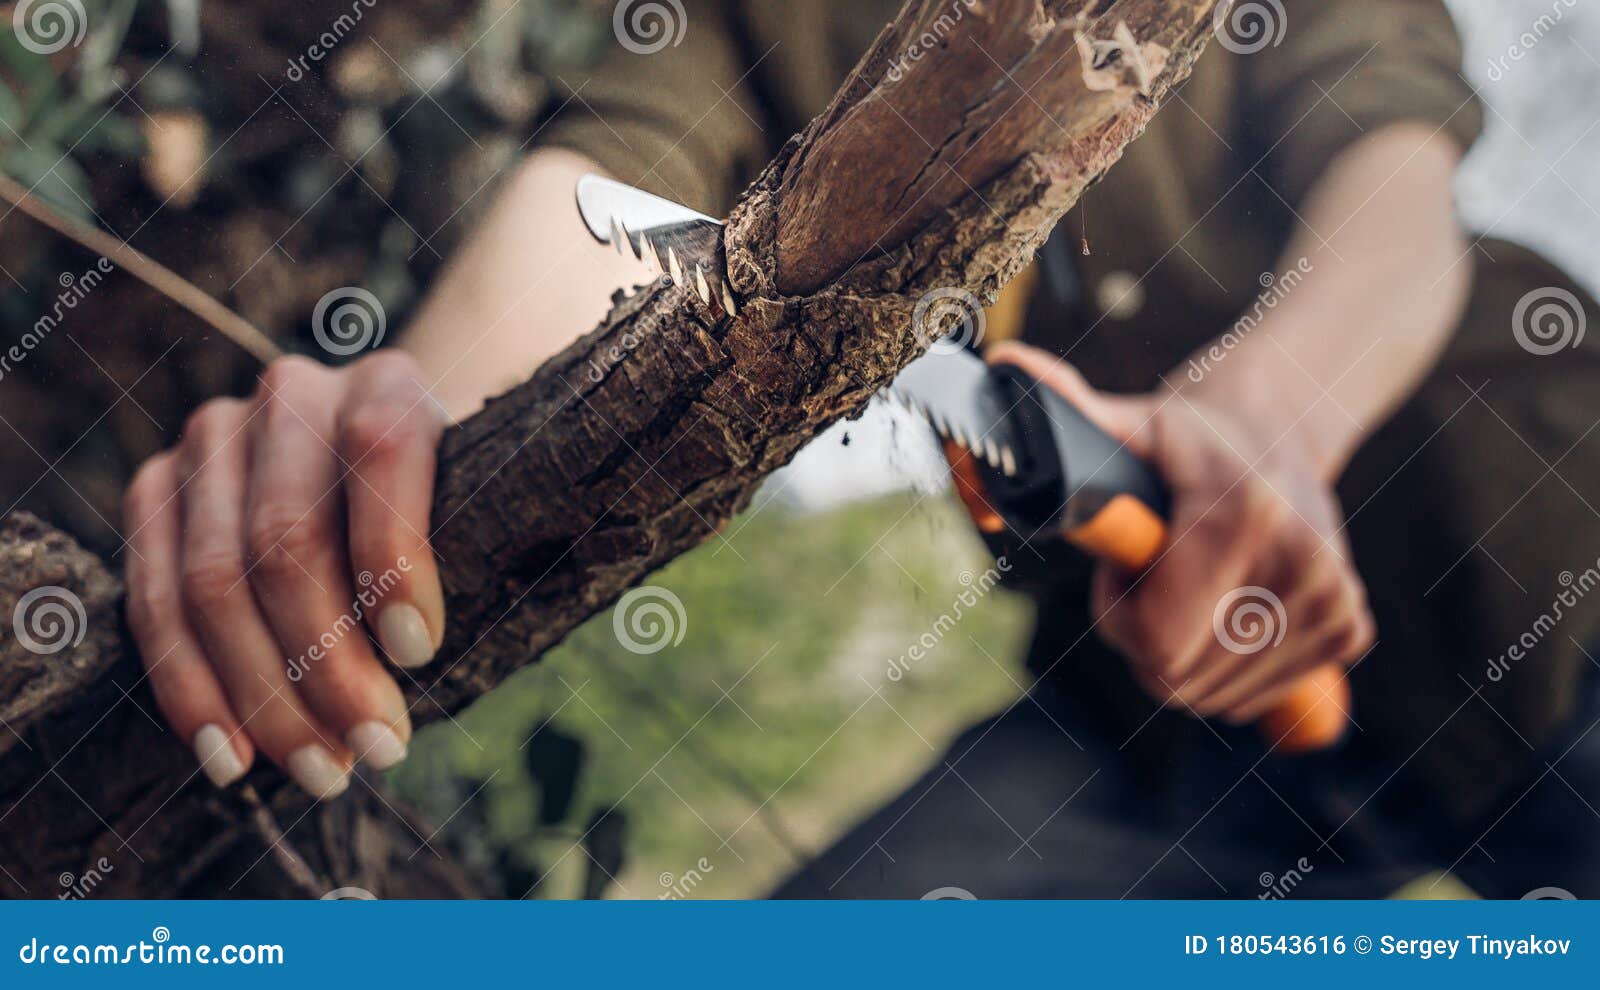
388,436
1216,546
1125,606
1276,669
221,606
1211,675
300,573
186,690
1342,646
1125,419
1324,615
1265,695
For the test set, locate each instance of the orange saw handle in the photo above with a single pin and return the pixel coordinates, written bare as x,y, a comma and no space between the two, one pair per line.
1311,717
1116,514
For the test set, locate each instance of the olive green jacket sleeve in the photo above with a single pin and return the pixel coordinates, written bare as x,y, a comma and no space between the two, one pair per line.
1327,73
670,108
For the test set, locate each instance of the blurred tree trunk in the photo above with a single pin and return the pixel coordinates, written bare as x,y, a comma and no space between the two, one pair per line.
577,484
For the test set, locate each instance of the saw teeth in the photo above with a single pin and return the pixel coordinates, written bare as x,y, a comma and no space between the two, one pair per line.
700,285
1008,462
673,268
990,454
652,256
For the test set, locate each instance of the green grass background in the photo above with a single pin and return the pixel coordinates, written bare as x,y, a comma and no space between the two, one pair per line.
797,617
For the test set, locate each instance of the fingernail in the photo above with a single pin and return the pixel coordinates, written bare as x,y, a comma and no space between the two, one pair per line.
404,636
217,756
376,745
318,773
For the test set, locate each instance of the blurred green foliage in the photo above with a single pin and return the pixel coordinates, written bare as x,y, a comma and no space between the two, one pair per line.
52,120
798,618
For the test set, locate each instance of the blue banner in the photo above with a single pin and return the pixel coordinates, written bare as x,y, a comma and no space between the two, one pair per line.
937,943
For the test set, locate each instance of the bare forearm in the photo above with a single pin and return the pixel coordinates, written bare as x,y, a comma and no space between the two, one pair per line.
1370,287
525,284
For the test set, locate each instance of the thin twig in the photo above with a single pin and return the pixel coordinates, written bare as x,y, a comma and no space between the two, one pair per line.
147,270
266,826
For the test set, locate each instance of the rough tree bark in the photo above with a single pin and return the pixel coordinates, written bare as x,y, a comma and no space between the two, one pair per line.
952,149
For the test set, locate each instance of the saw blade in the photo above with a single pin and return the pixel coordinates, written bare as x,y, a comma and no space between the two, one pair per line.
956,393
671,238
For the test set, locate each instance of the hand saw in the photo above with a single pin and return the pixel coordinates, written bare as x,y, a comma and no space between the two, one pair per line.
1025,459
1022,457
672,239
